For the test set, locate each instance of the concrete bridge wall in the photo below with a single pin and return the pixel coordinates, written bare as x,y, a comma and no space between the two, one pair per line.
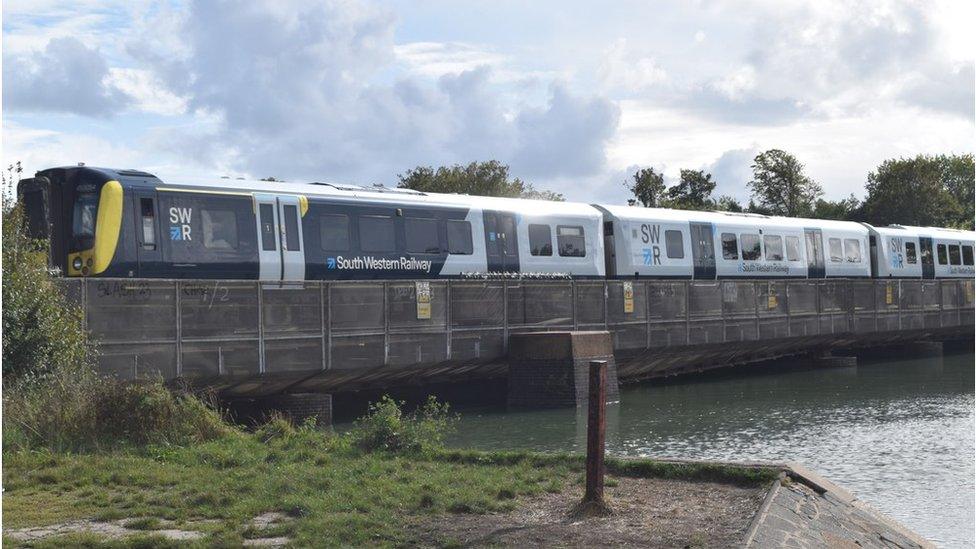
251,339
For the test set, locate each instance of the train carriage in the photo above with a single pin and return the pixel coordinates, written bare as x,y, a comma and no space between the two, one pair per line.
663,243
900,251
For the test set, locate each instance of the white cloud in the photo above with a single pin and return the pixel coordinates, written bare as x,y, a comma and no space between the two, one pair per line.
624,70
434,59
147,92
66,76
738,83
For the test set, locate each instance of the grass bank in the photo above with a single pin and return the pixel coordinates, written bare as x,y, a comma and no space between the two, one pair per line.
333,491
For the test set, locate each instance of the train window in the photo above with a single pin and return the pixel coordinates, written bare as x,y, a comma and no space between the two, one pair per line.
540,240
834,248
954,258
774,247
852,250
459,237
83,219
910,255
376,233
967,255
730,246
267,227
148,214
334,232
571,241
750,247
292,242
674,243
219,229
508,235
943,255
421,235
792,248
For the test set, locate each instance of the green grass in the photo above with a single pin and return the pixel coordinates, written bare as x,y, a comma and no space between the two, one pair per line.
335,493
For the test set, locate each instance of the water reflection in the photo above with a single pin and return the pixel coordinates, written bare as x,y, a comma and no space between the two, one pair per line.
898,433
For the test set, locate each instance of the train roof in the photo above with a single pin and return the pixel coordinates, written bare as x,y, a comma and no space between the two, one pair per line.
933,232
636,213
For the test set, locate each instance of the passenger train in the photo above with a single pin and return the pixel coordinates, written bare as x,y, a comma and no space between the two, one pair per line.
127,223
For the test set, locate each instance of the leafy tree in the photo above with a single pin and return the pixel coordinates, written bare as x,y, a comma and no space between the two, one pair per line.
726,203
958,176
925,190
477,178
847,209
543,195
780,187
647,187
693,191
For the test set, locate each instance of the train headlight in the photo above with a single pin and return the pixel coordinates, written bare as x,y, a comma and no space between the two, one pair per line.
76,263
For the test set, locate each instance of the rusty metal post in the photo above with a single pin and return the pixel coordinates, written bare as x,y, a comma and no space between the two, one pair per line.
596,431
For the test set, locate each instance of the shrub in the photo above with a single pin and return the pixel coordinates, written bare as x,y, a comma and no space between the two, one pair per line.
387,428
75,409
41,330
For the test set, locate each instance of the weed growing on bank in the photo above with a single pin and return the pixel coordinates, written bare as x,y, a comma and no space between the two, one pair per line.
386,427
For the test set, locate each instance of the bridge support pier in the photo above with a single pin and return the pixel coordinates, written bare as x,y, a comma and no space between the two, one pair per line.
298,407
551,369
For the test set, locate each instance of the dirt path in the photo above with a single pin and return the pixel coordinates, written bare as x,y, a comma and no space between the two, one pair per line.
647,513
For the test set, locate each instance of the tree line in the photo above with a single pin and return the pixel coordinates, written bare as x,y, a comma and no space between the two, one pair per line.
927,190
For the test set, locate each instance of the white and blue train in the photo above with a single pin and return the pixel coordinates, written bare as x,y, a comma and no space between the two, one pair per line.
126,223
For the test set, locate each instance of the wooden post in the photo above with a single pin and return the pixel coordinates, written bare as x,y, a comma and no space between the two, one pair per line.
595,432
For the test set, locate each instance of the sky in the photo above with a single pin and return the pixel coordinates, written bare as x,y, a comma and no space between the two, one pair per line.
574,96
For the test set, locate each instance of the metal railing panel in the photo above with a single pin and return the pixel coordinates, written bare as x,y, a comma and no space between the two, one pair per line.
477,304
591,303
205,359
219,310
401,299
667,301
122,311
542,304
357,306
294,310
477,345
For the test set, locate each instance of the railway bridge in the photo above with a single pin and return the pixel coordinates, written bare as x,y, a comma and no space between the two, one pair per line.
255,339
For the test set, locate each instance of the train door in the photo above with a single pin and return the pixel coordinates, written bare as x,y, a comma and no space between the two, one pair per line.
501,242
148,248
703,250
269,254
928,260
815,253
292,254
40,199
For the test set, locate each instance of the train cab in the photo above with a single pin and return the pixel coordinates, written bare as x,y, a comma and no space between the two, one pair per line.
79,211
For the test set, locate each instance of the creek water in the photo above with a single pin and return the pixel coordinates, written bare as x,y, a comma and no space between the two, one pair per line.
898,433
